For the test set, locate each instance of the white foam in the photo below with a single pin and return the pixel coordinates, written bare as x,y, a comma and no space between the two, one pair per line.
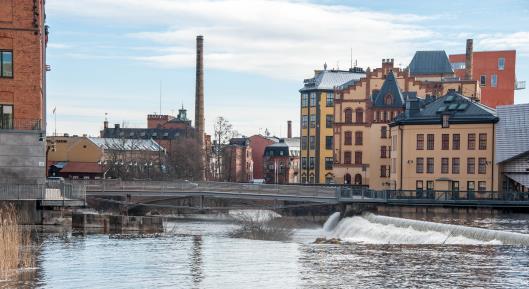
374,229
331,222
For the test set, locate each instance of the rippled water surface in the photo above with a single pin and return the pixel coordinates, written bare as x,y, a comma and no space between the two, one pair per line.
200,254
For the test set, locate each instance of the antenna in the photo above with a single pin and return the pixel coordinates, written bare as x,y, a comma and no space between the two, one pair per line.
337,64
351,57
160,97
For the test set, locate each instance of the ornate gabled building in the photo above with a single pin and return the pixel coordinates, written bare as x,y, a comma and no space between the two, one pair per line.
362,112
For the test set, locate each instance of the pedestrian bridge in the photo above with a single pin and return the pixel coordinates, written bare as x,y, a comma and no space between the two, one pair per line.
322,194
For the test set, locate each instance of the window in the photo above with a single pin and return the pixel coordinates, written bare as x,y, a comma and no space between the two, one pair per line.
329,119
446,121
383,152
388,99
501,63
420,142
429,186
482,186
458,65
482,141
312,161
348,138
383,171
304,121
494,80
444,166
429,165
348,115
456,141
6,116
312,99
455,165
445,141
385,116
303,142
483,80
419,186
328,163
359,116
471,166
312,142
313,121
471,141
358,158
384,131
471,186
359,138
455,186
347,158
419,167
482,168
6,64
328,142
304,100
311,178
430,142
330,99
303,162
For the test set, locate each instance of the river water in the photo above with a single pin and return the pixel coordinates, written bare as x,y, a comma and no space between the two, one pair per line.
200,254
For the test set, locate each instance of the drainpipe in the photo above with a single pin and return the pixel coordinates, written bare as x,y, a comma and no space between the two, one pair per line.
401,157
493,148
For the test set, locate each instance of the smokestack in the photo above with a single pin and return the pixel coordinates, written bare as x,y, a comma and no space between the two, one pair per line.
289,131
199,102
469,59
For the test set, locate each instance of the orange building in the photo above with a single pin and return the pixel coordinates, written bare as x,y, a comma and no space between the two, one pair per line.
494,70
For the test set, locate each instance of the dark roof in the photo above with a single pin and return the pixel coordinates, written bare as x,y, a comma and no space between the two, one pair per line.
285,147
240,141
460,108
430,62
390,87
146,133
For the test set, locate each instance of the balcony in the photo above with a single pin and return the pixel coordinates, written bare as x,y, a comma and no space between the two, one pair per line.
20,124
519,85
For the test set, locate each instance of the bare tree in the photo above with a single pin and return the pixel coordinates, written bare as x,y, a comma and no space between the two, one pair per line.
223,132
183,159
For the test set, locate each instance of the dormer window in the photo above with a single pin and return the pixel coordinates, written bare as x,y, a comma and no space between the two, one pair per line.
445,118
388,99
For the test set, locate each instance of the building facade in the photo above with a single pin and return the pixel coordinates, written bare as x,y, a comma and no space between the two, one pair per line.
447,145
282,162
258,143
495,72
23,39
512,147
317,121
237,161
363,111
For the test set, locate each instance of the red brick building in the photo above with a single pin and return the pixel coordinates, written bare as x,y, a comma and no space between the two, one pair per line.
237,161
495,72
281,162
258,143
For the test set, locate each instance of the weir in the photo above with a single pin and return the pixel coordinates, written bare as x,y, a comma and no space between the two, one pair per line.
371,228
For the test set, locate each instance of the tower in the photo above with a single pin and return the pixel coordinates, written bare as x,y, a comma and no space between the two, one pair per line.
199,102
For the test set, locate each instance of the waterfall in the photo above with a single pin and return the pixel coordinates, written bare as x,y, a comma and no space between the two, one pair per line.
376,229
331,222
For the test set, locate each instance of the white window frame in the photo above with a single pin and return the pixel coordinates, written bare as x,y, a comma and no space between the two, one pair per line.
494,80
501,63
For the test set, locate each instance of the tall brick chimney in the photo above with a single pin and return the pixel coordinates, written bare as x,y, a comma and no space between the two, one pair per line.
199,102
289,131
469,59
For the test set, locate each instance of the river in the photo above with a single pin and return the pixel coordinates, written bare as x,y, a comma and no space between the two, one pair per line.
200,254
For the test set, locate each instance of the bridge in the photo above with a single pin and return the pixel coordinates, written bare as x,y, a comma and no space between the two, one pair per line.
50,194
312,194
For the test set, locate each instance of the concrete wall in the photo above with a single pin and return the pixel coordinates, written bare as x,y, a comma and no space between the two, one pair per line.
22,157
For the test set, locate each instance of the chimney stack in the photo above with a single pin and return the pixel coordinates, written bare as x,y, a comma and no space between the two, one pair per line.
289,131
469,59
199,102
105,124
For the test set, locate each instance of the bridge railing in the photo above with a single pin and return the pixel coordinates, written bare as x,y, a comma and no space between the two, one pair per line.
185,186
47,191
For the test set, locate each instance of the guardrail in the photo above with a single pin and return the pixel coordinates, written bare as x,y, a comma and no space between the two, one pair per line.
51,191
21,124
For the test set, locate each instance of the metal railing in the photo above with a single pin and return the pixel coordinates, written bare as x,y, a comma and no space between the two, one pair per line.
20,124
519,85
51,191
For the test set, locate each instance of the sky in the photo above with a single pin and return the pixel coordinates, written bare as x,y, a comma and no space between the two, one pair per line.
113,57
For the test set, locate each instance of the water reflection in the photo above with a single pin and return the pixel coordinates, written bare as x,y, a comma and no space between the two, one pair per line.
196,261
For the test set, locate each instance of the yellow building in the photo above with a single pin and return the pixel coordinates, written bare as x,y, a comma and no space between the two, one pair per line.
317,121
447,145
363,110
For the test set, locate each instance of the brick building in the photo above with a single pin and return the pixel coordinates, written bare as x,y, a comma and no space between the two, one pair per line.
281,162
23,38
495,72
237,161
258,143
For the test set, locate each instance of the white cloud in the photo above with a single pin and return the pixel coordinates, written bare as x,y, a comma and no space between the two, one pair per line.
505,41
282,39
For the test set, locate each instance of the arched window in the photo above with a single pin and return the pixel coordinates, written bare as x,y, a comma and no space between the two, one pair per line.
348,115
359,115
347,179
358,179
388,99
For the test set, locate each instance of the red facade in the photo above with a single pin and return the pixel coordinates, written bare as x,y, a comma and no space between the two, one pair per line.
258,144
494,71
